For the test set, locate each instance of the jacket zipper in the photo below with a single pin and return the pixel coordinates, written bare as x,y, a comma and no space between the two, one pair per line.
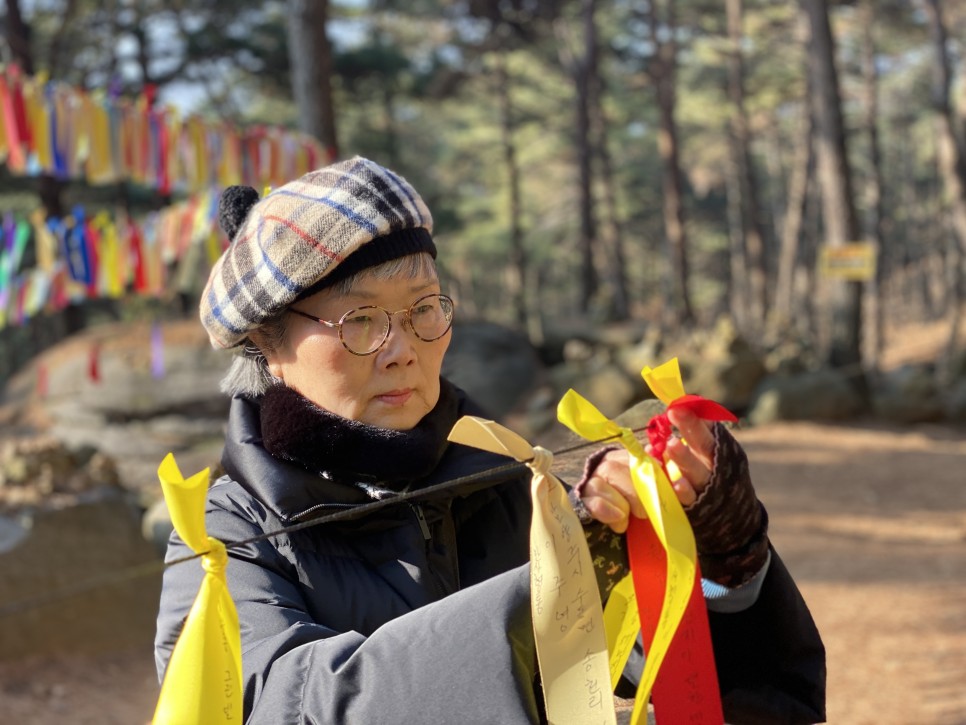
315,509
423,524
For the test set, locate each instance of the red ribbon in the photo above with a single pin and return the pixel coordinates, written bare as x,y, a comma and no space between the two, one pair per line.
15,138
659,427
686,688
93,363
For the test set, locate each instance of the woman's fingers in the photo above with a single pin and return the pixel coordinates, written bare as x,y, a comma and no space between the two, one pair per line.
616,474
691,465
693,459
696,432
607,513
685,491
609,494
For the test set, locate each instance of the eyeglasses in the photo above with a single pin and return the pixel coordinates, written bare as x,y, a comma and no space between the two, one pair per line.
364,330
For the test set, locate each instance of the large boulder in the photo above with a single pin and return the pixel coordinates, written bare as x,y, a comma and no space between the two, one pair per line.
497,366
908,394
138,411
646,351
75,573
607,386
77,579
954,402
728,369
41,470
823,394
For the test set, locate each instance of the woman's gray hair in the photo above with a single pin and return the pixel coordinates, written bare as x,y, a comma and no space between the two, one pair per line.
249,375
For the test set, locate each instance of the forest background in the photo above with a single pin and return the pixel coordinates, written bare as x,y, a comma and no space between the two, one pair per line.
669,161
662,163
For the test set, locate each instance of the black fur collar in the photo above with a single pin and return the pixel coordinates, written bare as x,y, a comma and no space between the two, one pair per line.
295,429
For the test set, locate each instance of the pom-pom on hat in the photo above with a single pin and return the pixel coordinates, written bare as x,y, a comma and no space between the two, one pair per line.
305,236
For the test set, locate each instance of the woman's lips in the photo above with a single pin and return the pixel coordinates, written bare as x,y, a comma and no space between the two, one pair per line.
395,397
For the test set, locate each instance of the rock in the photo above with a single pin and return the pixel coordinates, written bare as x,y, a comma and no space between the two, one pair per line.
908,394
823,394
578,351
646,352
42,470
81,579
497,366
791,356
638,416
11,534
957,366
156,526
728,370
608,388
954,402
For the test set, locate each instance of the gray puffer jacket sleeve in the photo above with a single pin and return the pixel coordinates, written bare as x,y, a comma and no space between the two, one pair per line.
469,656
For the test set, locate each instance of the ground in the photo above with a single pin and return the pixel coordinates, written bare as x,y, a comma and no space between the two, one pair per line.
870,520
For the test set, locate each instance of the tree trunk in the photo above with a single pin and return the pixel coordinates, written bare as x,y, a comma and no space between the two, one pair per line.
310,56
681,311
390,133
56,61
805,282
617,269
951,162
952,167
873,189
585,70
18,38
752,246
737,284
803,163
841,224
517,269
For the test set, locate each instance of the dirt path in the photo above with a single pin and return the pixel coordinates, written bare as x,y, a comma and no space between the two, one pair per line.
871,522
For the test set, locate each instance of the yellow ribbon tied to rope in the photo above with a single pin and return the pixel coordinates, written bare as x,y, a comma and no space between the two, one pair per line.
565,603
202,684
665,514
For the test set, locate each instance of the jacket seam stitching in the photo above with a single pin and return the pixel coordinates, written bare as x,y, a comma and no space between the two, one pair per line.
305,681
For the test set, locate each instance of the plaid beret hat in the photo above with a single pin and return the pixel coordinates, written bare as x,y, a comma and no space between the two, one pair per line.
307,235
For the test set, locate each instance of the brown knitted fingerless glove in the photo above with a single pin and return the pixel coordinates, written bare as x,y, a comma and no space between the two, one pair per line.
730,524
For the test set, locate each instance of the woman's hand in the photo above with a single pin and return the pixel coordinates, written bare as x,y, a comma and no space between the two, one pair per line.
696,459
608,494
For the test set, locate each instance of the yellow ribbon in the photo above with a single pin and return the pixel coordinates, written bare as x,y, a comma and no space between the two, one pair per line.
665,381
622,622
202,684
565,603
670,523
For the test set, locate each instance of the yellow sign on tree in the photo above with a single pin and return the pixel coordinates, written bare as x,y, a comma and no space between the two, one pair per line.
855,262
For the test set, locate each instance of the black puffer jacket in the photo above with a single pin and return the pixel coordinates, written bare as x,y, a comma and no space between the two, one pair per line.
420,613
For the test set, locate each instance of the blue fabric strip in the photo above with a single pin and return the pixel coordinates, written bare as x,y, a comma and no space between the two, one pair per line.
727,600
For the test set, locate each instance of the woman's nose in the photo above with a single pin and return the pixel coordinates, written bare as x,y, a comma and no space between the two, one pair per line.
400,345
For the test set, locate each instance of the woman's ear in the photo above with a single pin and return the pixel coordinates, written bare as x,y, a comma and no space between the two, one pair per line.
269,352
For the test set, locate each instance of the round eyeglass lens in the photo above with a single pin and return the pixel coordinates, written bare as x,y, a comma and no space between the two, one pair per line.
431,316
363,330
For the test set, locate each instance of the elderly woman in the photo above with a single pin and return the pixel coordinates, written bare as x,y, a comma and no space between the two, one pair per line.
419,612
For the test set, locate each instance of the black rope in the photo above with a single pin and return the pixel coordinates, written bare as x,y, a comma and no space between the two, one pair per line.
367,508
142,570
